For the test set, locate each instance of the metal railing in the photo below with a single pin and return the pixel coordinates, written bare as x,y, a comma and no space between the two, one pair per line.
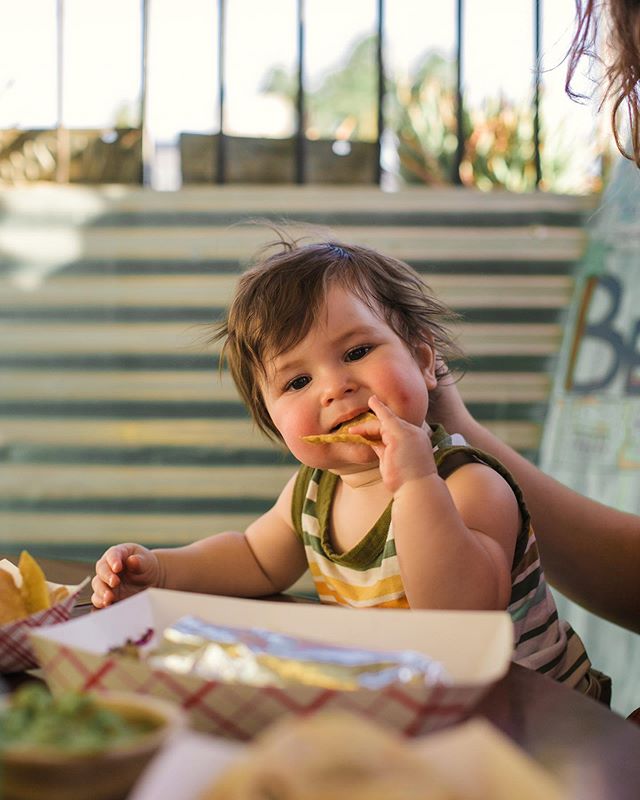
300,150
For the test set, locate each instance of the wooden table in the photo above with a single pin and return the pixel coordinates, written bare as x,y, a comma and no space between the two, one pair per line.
593,751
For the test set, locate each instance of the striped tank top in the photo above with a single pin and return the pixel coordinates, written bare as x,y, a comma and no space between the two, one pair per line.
368,575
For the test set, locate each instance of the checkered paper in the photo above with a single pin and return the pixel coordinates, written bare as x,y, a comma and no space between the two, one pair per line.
240,711
75,656
16,652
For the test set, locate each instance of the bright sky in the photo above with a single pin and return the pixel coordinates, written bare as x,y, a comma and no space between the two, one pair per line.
103,64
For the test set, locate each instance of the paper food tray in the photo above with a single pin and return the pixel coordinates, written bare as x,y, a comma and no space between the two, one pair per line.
16,653
474,759
474,648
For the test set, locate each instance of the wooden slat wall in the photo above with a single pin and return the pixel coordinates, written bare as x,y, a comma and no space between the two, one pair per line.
114,421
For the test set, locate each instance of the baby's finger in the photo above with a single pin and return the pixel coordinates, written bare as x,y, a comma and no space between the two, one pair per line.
114,558
118,557
135,564
369,429
382,411
101,599
105,574
102,596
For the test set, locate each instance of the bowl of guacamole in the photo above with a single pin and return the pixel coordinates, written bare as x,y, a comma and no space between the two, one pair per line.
79,745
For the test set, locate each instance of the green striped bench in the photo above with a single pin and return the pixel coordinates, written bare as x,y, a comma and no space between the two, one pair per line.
114,421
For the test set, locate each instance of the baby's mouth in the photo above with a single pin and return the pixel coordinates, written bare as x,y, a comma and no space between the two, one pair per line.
364,416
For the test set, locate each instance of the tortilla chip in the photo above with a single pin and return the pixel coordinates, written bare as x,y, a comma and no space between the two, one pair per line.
341,435
12,605
35,591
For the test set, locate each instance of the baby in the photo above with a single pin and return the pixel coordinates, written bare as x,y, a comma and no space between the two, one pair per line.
394,514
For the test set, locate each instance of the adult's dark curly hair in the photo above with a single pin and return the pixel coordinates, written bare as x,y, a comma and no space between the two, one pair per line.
608,31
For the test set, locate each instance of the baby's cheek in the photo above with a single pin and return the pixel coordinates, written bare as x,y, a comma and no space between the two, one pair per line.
415,406
293,439
297,449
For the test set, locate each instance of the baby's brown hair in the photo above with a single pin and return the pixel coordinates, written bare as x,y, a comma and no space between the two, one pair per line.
278,298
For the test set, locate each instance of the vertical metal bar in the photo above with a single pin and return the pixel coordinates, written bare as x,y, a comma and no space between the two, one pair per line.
300,140
459,95
59,61
381,91
221,161
145,177
537,54
63,155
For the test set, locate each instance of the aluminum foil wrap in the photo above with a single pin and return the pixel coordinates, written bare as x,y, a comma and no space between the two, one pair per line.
265,658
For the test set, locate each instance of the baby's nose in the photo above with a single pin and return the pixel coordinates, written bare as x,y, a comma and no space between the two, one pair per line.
338,385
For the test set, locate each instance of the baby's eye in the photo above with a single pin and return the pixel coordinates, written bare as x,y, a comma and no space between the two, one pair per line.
297,383
357,353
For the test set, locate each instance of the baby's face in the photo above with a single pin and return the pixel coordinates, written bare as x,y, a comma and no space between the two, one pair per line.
349,354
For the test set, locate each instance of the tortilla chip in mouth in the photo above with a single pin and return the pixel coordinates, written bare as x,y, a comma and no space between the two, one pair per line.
342,436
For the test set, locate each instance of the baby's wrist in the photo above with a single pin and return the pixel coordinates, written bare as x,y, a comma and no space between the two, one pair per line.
416,484
161,570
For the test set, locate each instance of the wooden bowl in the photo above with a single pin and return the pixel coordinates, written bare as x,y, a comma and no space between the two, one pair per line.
50,773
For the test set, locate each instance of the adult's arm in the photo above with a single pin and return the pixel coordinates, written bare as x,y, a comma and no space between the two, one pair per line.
589,551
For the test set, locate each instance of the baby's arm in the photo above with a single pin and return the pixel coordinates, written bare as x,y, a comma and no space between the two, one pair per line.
266,559
455,539
590,551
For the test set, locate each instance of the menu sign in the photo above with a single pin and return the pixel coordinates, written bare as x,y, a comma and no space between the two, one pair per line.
591,440
592,435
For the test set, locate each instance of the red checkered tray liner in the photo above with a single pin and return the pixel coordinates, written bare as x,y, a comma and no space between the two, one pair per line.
16,653
239,711
76,656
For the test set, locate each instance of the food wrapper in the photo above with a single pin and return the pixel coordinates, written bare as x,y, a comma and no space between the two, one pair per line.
16,653
260,657
474,649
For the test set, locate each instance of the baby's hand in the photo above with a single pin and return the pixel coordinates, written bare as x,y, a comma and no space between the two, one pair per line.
405,452
122,571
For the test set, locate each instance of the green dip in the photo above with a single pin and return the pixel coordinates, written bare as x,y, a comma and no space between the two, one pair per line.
72,722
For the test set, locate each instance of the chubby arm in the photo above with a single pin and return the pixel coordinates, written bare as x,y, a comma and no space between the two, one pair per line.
455,539
591,552
266,559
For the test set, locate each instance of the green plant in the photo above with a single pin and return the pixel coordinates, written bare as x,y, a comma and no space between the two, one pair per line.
499,151
420,110
422,113
342,106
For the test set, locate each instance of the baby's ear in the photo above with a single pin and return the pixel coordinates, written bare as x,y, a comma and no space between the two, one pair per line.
426,357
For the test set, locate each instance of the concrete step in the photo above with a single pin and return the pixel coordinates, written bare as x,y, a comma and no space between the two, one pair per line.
83,205
146,295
